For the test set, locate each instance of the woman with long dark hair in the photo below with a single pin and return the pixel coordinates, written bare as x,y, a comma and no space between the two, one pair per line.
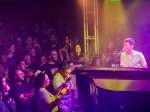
45,101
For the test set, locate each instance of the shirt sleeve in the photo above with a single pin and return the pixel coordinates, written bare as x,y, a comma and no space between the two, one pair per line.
143,60
57,84
45,98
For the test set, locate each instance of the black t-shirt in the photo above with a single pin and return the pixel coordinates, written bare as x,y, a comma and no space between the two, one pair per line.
113,63
16,90
51,69
34,66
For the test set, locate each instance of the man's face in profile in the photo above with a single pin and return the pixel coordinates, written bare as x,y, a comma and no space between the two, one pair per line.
127,46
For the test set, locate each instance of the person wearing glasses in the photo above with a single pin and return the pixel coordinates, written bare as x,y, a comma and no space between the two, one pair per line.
52,66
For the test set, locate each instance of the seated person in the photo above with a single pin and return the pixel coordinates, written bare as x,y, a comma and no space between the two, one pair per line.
60,80
21,92
115,61
96,62
46,102
78,57
41,61
52,66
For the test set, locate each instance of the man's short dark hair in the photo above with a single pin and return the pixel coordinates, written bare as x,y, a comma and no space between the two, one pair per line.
64,65
130,41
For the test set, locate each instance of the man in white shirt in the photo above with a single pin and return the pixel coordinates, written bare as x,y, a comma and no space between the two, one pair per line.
130,57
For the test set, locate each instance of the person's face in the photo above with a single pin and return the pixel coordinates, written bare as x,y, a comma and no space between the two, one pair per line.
127,46
33,52
72,67
22,66
46,81
4,82
3,58
53,39
27,58
115,54
67,72
19,75
5,85
18,41
35,41
29,41
11,49
110,45
54,55
97,63
36,26
43,60
67,40
78,48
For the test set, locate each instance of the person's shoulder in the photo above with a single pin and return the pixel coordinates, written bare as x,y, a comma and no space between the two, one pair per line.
122,54
58,75
137,53
41,90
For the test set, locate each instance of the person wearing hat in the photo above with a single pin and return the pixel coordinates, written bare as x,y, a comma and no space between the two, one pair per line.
63,79
130,57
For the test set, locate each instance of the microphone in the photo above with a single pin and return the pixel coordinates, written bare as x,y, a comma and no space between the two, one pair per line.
121,51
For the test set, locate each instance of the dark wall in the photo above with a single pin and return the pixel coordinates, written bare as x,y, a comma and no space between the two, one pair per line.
58,13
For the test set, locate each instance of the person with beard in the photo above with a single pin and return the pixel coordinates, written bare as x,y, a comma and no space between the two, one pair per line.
51,44
52,67
130,57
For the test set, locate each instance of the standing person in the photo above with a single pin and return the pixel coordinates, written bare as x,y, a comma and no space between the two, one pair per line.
22,92
130,57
